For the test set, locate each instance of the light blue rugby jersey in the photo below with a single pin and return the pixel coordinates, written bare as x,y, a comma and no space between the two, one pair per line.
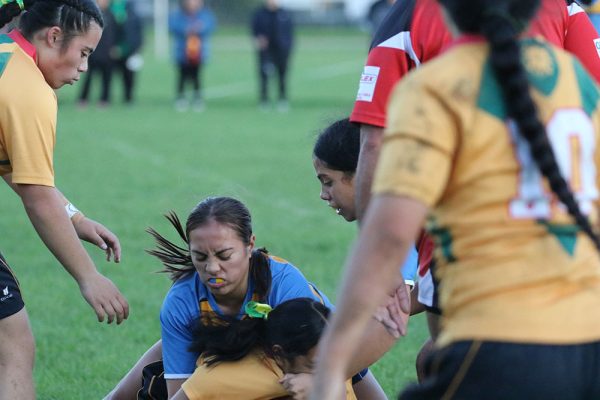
409,268
181,309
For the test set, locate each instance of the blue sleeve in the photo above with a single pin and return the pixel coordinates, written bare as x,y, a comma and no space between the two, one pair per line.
409,269
177,25
209,25
176,316
289,283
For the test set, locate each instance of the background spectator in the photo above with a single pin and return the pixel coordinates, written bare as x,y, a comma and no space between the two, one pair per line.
273,33
192,26
128,43
100,61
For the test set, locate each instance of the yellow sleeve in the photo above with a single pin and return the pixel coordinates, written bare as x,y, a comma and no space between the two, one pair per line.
28,123
253,377
419,144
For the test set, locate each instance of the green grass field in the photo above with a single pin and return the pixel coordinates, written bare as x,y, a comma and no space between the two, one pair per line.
127,166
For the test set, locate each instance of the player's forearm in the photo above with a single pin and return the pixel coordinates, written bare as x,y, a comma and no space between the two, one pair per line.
46,210
17,189
391,226
376,341
371,138
371,274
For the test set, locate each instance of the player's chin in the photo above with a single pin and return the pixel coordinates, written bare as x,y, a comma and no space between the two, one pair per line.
348,216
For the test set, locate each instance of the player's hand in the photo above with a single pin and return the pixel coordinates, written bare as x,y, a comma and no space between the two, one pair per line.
97,234
104,297
392,315
298,385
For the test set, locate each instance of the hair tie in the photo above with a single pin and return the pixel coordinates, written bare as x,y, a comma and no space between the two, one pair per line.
255,309
19,2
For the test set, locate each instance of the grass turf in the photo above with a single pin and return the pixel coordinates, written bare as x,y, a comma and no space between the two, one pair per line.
126,166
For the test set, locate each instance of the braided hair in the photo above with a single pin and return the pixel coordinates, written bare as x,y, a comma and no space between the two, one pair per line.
500,21
72,16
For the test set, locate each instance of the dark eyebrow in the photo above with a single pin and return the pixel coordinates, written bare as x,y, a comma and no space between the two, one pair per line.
322,176
224,250
217,253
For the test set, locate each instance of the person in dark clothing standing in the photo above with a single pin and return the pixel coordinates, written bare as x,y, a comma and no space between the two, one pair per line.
273,33
100,61
128,43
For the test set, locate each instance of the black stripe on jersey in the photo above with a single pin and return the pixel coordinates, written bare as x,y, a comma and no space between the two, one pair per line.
398,19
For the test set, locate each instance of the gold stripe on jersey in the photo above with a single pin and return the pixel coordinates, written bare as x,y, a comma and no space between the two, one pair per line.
512,264
209,316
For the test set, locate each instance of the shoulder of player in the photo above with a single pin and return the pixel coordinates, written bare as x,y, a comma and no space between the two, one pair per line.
19,70
281,268
441,73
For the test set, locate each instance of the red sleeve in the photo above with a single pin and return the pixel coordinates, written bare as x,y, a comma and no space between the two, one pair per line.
414,38
385,66
581,39
425,248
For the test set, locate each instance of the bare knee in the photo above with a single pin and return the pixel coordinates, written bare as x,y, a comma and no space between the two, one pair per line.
17,344
17,353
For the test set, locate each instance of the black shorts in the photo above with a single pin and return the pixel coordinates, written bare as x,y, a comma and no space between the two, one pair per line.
475,370
11,301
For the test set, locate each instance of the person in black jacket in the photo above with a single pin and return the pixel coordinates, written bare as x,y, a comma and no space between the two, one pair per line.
100,61
128,44
273,32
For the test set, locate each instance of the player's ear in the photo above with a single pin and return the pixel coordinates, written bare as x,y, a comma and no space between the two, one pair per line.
54,36
251,243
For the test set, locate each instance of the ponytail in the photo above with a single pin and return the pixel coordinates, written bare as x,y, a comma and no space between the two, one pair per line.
260,272
176,259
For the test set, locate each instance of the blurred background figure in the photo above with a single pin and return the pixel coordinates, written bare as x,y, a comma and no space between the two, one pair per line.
273,32
128,43
191,26
377,13
100,61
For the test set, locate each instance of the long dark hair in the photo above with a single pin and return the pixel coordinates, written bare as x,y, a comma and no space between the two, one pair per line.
500,21
224,210
338,146
294,325
72,16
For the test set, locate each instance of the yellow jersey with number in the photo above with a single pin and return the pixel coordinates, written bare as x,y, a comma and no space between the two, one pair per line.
513,265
